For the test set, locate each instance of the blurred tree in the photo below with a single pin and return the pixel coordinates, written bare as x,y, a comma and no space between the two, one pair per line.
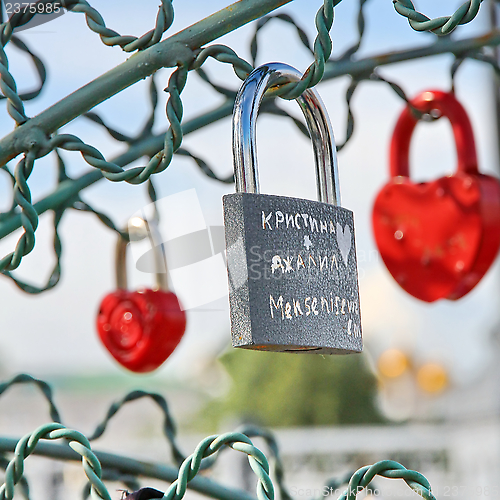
285,390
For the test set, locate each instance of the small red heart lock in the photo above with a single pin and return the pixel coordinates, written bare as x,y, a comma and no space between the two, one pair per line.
437,238
140,328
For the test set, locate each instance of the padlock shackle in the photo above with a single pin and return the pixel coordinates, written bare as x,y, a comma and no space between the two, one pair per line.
448,106
246,109
158,248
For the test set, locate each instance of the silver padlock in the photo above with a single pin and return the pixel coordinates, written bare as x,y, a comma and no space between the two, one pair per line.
291,263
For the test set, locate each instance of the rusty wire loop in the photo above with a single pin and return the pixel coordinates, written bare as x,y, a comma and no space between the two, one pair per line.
193,61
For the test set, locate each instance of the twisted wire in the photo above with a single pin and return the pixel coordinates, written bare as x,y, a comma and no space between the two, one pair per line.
360,480
147,130
322,49
45,389
94,157
440,25
158,162
92,467
279,472
376,77
192,465
253,431
361,30
12,209
169,429
129,481
334,483
281,17
29,216
75,203
55,274
225,54
211,445
22,197
350,115
8,87
173,136
39,67
94,21
75,440
23,483
390,469
204,167
109,37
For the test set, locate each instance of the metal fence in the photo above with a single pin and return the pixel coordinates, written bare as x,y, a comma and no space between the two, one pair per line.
100,467
186,51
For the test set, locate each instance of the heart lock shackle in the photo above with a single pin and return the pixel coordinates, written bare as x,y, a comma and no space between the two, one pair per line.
293,284
437,238
141,328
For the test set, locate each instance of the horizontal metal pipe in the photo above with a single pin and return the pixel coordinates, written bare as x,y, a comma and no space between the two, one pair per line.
335,69
140,65
131,466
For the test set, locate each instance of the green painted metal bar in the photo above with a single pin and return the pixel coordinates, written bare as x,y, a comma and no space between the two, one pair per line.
442,46
147,147
168,53
131,466
153,144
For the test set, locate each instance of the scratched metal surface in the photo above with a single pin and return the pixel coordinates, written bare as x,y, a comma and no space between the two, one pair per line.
294,287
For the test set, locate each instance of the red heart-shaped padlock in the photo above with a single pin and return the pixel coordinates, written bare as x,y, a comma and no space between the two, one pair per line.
438,238
141,329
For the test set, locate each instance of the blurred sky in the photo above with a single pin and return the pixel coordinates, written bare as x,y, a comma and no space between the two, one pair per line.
54,333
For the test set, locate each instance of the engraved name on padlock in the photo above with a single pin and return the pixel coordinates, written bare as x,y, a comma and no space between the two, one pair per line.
291,262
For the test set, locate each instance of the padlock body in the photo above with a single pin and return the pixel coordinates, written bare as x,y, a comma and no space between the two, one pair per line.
293,280
141,328
438,238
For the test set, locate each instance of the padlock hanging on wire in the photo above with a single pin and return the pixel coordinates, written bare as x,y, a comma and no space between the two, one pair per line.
437,238
141,328
293,280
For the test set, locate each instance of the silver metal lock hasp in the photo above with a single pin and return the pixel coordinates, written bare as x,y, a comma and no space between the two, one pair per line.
292,267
